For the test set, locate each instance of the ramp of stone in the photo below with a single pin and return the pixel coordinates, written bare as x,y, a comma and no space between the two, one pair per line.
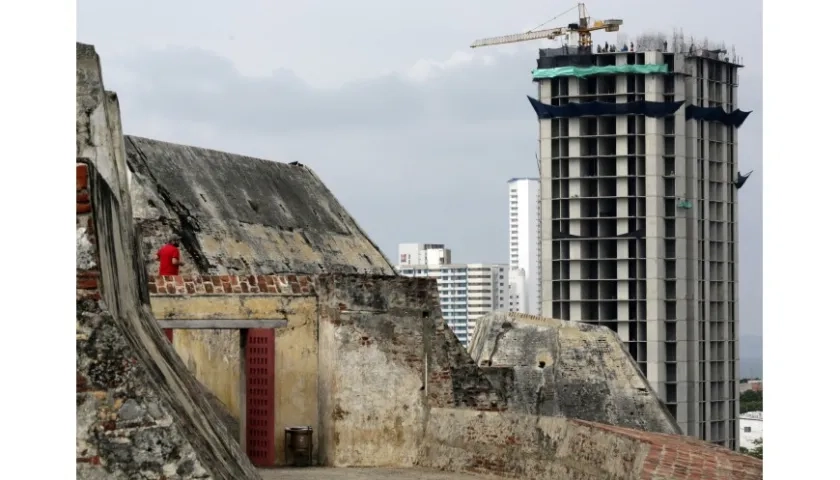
140,414
545,448
241,215
550,367
367,474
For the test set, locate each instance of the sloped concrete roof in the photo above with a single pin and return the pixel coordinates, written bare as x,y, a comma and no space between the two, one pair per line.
242,215
544,366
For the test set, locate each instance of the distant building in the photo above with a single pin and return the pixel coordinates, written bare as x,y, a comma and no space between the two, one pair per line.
517,290
423,254
751,429
754,385
467,291
524,244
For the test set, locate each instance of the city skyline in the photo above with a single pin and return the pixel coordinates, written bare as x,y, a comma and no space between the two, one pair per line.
467,292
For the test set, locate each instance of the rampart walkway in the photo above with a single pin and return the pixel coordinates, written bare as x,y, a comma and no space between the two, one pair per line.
321,473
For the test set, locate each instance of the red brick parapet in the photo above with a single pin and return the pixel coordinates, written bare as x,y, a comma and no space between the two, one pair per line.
87,268
683,457
231,284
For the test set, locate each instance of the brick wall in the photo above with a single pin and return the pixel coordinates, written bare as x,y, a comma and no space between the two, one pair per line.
683,457
87,264
514,445
87,291
231,284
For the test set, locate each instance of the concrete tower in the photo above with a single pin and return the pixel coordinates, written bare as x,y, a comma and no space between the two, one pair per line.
640,214
524,244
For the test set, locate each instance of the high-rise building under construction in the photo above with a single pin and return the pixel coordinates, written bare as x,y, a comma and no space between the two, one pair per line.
638,149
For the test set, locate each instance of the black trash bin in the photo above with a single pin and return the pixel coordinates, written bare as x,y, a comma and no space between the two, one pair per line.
299,446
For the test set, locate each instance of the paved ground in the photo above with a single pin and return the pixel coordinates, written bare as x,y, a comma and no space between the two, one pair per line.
313,473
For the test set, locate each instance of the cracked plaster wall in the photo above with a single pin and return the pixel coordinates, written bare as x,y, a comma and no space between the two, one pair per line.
551,367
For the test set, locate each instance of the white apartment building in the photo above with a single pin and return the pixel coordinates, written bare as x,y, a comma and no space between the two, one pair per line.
752,429
640,214
517,290
524,245
423,254
467,291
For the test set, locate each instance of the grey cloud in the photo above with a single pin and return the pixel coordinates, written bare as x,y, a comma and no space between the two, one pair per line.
198,86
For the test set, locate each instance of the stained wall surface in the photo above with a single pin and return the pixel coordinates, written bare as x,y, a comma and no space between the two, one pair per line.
239,215
386,355
383,355
535,447
550,367
139,413
396,389
216,364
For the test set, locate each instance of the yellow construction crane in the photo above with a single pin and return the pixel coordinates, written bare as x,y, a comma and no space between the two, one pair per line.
583,28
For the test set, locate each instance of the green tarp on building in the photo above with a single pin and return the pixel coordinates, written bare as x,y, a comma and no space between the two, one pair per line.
581,72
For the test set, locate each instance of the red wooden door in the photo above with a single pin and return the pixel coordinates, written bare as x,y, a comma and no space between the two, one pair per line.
259,396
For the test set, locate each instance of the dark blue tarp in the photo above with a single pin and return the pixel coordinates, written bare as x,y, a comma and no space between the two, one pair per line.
648,109
716,114
590,109
742,179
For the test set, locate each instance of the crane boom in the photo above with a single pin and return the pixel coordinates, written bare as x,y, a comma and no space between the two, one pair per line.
521,37
583,29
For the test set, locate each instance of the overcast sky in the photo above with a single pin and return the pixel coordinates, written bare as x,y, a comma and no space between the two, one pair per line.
415,133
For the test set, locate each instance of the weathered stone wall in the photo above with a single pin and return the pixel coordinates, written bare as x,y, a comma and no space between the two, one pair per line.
413,305
387,395
548,448
216,364
139,412
386,356
239,215
550,367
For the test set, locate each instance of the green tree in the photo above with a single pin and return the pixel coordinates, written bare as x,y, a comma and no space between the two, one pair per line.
757,451
751,401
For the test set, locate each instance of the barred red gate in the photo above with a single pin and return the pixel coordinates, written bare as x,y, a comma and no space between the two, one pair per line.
259,396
